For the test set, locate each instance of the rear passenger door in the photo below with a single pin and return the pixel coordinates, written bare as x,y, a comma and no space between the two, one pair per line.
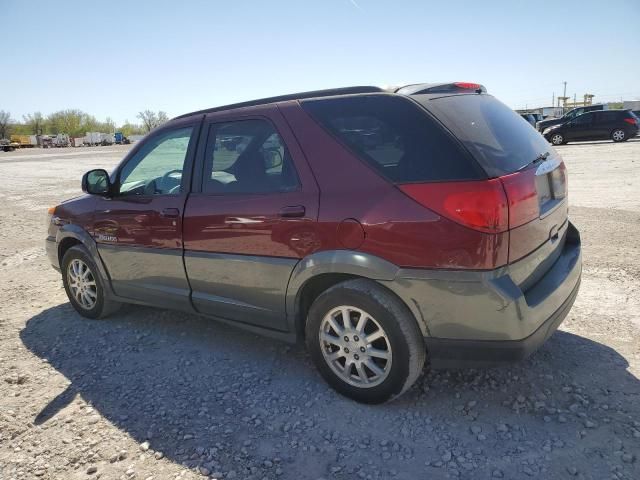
581,128
603,124
250,219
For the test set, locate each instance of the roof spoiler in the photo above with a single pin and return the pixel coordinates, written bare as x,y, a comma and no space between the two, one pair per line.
453,87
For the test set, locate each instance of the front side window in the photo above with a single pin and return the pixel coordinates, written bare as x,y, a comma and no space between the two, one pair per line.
247,156
575,113
156,169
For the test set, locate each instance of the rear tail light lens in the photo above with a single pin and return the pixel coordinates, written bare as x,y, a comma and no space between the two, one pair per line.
523,197
631,121
481,205
491,206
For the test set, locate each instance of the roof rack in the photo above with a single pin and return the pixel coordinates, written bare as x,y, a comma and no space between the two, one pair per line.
294,96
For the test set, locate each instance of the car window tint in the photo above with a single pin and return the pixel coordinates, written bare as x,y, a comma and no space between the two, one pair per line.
247,156
396,137
607,116
584,119
156,169
490,130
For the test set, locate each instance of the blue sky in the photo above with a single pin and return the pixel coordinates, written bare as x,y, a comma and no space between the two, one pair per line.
116,58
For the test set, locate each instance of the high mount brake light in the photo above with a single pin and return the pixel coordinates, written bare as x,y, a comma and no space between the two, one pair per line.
468,85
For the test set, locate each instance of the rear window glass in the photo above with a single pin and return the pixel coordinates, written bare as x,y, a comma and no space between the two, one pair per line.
396,137
497,137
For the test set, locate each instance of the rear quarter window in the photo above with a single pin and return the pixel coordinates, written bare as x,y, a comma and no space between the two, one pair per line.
395,137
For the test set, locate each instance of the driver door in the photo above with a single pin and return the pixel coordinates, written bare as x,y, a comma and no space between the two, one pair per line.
138,229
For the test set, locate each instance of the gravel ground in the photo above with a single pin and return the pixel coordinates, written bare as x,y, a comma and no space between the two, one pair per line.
150,393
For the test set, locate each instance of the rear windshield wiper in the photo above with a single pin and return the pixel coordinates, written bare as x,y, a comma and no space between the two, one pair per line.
538,159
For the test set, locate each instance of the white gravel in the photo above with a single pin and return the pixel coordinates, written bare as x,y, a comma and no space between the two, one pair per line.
156,394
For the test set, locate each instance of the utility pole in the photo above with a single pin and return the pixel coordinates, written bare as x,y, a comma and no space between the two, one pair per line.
574,100
564,94
553,99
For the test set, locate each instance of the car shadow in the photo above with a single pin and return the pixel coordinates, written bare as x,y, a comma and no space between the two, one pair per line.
198,390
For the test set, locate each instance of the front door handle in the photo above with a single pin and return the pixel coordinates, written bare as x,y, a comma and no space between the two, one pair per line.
292,211
170,213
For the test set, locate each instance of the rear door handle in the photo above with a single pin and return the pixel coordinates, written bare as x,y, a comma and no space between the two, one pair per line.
292,211
170,213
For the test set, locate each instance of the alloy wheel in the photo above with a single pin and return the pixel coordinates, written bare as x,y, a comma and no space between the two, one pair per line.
557,139
82,284
355,346
618,135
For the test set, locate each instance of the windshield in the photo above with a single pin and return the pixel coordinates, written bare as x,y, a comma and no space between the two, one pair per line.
499,139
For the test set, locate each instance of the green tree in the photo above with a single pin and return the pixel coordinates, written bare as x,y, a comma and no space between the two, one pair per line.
5,119
35,123
72,122
109,126
129,129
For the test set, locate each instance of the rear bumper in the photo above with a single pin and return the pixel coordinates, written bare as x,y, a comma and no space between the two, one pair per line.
452,353
480,318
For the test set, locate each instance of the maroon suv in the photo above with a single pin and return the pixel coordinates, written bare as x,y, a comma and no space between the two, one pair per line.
382,226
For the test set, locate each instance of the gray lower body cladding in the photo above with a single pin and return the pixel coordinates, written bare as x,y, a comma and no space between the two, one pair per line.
478,318
452,353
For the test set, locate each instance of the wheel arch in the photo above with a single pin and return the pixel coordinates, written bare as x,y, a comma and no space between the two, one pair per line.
321,271
70,235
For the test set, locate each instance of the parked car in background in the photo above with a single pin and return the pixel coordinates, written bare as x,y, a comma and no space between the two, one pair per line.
538,117
530,118
570,115
617,125
380,226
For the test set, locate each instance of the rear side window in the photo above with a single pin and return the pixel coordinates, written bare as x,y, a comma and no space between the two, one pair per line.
584,119
498,139
395,137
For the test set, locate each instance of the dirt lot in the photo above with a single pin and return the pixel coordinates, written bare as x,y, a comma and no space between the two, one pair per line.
156,394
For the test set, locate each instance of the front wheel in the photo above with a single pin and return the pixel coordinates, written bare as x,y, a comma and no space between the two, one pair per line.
557,139
618,135
83,284
364,341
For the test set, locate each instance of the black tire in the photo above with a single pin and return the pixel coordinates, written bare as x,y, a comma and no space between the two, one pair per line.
103,306
404,335
556,139
619,135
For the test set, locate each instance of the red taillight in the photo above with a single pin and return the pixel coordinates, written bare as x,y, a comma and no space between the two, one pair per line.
481,205
632,121
523,197
470,86
492,206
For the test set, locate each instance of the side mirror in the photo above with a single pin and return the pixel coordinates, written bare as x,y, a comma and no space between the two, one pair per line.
272,159
96,182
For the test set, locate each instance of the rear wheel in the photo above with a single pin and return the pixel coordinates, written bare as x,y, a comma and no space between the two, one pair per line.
557,139
364,341
84,286
619,135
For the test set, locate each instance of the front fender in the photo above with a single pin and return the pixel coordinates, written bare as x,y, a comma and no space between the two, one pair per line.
78,233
